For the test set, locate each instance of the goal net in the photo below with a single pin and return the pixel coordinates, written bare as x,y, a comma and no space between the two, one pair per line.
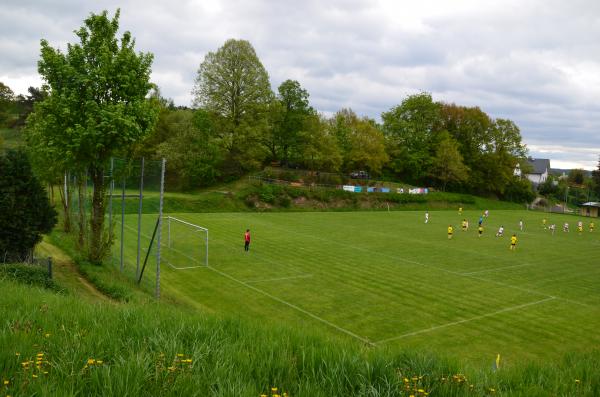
184,245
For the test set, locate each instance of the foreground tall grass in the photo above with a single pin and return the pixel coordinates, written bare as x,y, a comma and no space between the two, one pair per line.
56,345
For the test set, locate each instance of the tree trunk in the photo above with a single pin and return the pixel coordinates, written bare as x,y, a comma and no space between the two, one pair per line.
81,213
65,205
98,243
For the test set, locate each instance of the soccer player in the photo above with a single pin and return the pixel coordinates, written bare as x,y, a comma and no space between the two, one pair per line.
591,227
580,227
247,240
480,220
513,242
426,216
459,210
486,213
500,232
552,228
464,225
566,227
544,223
450,231
480,230
521,224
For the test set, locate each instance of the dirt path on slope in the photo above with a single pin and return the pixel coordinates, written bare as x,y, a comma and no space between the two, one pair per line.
65,273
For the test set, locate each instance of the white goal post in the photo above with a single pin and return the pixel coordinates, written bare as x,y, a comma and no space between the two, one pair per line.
186,245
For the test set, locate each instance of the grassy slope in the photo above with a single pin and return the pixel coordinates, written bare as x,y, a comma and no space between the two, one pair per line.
388,279
229,357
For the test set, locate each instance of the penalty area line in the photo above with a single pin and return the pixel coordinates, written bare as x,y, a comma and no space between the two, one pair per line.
314,316
279,278
466,320
495,269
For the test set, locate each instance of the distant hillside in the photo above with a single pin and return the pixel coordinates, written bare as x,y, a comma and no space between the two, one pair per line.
560,171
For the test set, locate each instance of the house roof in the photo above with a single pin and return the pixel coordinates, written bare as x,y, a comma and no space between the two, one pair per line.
591,204
539,165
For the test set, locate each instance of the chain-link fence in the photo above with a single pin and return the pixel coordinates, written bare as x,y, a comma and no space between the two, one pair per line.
134,194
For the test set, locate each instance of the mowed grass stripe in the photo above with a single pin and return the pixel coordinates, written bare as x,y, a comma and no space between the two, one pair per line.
484,306
379,297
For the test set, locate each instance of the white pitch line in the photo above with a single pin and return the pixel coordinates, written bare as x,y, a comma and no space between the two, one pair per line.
365,340
465,320
495,269
279,278
534,292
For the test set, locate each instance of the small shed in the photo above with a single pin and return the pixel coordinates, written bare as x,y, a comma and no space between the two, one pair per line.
590,209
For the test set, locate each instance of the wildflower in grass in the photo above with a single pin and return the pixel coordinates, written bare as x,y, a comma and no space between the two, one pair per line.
577,381
6,383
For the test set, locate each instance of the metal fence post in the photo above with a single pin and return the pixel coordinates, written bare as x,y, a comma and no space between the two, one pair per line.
110,197
160,214
122,223
139,243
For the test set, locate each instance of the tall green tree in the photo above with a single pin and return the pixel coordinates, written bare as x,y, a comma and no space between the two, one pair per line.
411,130
294,111
319,149
7,97
448,166
190,150
576,176
25,212
233,85
361,142
96,106
596,179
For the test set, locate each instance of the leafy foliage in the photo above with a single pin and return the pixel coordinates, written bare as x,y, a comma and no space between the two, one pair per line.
96,106
25,212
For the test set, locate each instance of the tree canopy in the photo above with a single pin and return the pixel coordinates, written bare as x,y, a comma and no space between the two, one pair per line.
96,106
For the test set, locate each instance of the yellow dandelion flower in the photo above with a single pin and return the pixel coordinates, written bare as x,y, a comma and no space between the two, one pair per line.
47,335
91,361
6,382
45,372
179,354
577,381
421,391
34,375
17,354
99,362
263,395
274,389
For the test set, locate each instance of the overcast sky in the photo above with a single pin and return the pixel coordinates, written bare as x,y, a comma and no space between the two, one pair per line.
534,62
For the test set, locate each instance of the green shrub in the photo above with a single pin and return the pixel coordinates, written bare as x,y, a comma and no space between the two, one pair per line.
28,274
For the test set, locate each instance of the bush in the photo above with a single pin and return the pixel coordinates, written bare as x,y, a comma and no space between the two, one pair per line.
25,211
28,274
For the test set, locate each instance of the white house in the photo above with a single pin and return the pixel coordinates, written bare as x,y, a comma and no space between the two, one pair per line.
540,170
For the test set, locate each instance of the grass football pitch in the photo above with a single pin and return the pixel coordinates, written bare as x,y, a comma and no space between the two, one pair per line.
388,280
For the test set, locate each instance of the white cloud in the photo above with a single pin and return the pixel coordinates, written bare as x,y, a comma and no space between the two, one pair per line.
536,62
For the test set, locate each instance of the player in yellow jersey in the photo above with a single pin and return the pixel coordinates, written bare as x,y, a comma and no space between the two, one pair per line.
450,231
513,242
580,227
480,230
459,210
591,227
464,225
544,223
